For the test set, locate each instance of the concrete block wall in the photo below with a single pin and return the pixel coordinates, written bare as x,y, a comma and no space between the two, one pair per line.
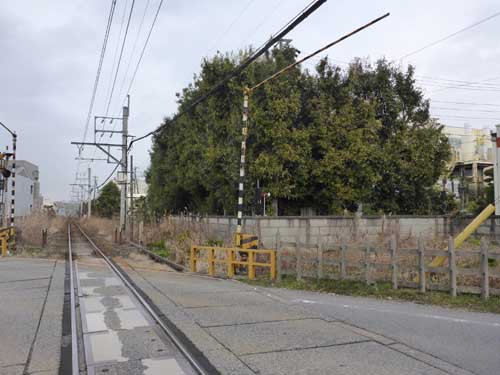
329,228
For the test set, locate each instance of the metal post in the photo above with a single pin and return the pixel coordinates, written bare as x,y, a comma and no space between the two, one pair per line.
298,256
123,197
394,262
421,264
321,245
485,277
496,170
453,267
278,256
244,133
89,204
367,264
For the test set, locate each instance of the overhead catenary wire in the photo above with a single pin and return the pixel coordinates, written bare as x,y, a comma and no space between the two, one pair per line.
99,67
134,46
120,57
237,71
98,73
144,47
226,30
450,36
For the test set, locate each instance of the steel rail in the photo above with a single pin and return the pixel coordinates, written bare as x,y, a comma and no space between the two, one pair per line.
171,335
74,338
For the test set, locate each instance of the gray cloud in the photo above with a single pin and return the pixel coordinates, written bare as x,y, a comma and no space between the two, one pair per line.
49,54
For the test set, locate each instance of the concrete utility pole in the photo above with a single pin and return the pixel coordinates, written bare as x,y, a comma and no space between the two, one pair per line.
131,197
89,190
496,170
123,198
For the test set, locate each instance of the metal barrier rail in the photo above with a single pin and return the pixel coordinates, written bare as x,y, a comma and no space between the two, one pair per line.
230,260
5,236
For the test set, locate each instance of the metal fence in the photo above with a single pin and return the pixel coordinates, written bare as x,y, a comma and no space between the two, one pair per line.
464,271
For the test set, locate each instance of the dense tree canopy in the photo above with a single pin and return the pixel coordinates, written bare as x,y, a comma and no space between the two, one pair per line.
108,202
330,139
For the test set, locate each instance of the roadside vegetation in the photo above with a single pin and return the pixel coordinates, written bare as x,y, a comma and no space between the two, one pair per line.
470,302
328,137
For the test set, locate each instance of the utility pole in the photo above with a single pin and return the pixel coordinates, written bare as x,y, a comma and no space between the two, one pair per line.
245,113
132,197
89,190
111,158
496,170
123,198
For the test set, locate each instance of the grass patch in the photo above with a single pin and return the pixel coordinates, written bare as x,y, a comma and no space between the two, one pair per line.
160,248
384,291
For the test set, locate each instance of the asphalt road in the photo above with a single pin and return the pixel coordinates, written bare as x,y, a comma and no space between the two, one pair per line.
466,339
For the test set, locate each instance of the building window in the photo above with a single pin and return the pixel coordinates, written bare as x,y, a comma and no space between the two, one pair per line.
31,189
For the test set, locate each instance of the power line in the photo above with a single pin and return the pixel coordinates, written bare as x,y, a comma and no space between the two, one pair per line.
98,74
145,45
124,14
133,48
454,81
466,110
460,87
108,178
263,21
467,118
450,35
120,57
329,45
466,103
224,34
237,71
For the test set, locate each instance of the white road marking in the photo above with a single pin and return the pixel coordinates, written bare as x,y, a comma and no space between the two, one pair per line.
417,315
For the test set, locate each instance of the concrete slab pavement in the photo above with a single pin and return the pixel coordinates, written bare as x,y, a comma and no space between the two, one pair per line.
246,330
31,299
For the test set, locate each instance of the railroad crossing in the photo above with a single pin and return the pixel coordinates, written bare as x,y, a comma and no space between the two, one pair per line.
123,313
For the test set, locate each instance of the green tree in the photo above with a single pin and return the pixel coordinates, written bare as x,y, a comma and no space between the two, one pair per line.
108,202
329,139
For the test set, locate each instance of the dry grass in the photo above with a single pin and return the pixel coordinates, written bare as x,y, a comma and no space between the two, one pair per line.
100,227
29,235
178,236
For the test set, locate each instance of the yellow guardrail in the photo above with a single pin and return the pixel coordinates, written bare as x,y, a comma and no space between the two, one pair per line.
5,235
230,260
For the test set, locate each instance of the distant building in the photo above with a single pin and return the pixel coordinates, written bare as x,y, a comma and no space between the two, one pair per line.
27,193
66,208
472,157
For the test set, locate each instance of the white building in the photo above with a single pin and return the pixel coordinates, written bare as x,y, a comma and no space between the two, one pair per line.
472,156
27,188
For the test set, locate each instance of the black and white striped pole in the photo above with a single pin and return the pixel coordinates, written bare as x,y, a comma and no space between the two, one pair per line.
13,181
241,184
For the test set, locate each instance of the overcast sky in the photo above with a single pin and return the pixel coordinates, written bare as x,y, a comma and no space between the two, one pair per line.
50,50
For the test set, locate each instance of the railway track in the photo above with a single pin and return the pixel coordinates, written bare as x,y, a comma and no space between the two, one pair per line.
115,329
